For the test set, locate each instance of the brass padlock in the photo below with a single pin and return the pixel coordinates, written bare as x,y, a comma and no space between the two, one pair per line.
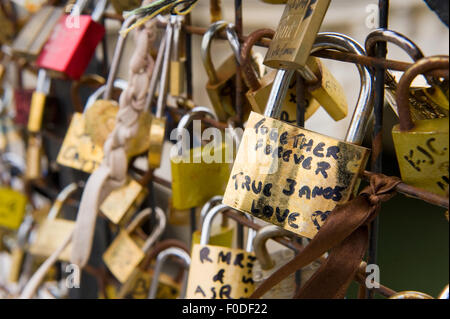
288,175
327,91
123,202
221,81
221,235
422,147
192,182
53,232
220,272
160,260
12,208
428,101
295,35
267,264
33,36
125,254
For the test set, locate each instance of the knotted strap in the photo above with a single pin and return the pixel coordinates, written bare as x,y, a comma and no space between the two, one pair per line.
345,232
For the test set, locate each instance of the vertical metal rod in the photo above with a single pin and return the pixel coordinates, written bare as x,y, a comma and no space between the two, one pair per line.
239,97
189,83
377,137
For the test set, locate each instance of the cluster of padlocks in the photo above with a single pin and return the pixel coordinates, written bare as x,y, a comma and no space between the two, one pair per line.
266,175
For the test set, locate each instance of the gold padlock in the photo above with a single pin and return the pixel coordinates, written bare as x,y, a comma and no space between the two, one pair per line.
219,272
288,175
295,35
428,100
125,254
192,182
123,202
53,232
12,208
422,147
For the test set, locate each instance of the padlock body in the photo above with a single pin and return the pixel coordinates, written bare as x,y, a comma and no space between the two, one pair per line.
220,273
123,256
290,176
50,236
195,181
12,208
71,47
423,155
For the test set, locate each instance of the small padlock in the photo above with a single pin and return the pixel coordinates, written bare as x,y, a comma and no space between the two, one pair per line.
192,182
295,35
33,36
53,232
221,81
220,236
267,264
426,102
287,175
422,147
178,60
125,254
12,208
73,41
327,91
160,260
123,202
220,272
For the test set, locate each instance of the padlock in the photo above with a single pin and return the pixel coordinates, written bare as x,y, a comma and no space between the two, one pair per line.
295,35
410,295
160,260
54,231
178,60
125,253
12,208
73,41
192,182
327,91
267,264
125,5
422,147
33,36
293,177
161,71
426,102
220,272
220,236
221,81
123,202
18,251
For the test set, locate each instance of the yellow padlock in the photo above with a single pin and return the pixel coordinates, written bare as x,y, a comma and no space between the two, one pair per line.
12,208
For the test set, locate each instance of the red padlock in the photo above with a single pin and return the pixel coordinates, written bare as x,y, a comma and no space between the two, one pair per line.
73,41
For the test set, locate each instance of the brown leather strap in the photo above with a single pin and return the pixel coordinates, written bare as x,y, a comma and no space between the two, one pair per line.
345,232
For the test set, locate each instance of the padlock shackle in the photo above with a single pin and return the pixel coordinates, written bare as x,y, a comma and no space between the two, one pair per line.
206,47
196,112
259,244
364,106
24,230
177,27
410,295
249,73
118,84
118,51
165,69
207,224
444,294
420,67
208,206
160,260
155,74
61,199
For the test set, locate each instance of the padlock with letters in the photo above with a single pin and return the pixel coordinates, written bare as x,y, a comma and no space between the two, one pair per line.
326,91
192,172
73,41
293,177
126,252
422,147
219,272
54,231
428,100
